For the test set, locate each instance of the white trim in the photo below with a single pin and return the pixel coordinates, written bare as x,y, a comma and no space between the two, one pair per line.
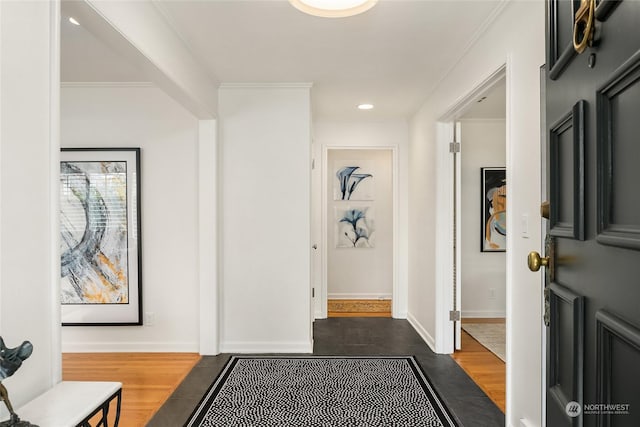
444,197
54,188
207,236
220,234
484,26
509,386
400,291
421,331
323,237
130,347
484,314
323,233
458,226
461,106
106,84
495,120
400,296
526,423
261,347
293,85
444,239
543,235
378,296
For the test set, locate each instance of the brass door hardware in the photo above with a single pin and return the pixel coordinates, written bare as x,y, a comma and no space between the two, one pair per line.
584,25
544,210
535,261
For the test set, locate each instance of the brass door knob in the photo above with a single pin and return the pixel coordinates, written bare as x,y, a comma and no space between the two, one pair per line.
535,261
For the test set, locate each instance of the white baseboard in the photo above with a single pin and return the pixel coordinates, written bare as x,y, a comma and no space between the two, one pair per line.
130,347
422,332
266,347
483,314
400,315
338,295
526,423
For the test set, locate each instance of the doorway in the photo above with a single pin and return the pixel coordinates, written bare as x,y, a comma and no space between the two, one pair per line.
449,286
359,232
482,220
480,228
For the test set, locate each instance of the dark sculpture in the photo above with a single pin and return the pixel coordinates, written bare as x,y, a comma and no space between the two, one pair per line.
10,361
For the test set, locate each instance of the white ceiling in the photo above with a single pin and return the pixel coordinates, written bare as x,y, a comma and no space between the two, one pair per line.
84,58
392,56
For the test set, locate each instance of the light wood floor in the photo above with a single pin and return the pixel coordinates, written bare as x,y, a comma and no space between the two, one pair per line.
484,367
148,378
358,308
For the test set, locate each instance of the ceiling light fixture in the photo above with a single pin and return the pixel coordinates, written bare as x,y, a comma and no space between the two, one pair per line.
333,8
365,106
73,20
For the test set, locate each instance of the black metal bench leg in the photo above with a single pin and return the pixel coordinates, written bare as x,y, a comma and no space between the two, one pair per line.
118,402
104,421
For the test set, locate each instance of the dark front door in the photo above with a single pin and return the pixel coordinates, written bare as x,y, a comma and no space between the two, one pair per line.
592,105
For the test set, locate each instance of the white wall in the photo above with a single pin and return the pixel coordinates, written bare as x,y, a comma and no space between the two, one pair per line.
391,134
520,44
483,274
29,148
145,117
265,136
363,273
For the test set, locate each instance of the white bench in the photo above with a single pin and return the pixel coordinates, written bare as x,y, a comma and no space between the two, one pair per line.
73,403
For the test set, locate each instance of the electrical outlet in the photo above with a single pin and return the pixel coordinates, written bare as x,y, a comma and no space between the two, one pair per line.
149,318
492,293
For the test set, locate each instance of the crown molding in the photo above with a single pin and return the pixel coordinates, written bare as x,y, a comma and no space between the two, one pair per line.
483,120
106,84
482,29
300,85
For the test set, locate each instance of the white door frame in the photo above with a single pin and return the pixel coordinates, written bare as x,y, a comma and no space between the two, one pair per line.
543,233
399,291
444,341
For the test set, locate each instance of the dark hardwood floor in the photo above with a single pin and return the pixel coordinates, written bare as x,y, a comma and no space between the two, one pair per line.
356,336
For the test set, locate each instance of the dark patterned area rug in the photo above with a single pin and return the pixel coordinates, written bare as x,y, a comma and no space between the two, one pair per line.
322,391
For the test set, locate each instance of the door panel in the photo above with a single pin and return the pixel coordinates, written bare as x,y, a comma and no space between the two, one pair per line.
566,347
567,193
593,336
560,49
618,103
618,349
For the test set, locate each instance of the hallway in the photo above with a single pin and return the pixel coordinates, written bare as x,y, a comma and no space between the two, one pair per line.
356,336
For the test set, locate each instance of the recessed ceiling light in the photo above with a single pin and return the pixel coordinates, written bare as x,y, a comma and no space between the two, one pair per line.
365,106
73,20
333,8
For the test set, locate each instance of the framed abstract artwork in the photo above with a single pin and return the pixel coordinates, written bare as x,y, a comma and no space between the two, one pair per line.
353,180
354,227
101,277
493,227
